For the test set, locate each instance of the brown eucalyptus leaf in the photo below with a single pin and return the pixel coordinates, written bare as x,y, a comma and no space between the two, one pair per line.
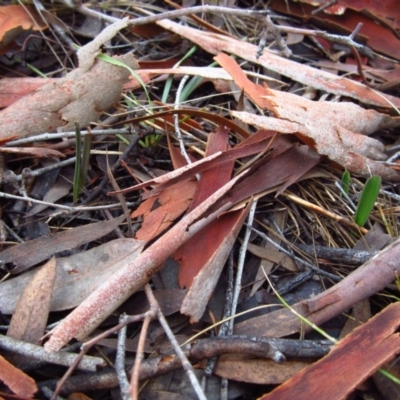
77,276
29,320
20,383
243,368
38,152
27,254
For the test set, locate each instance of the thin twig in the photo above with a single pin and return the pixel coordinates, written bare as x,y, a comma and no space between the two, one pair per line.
174,14
60,206
323,7
176,119
322,211
40,171
65,135
87,345
134,391
240,267
185,362
120,361
297,259
88,363
114,167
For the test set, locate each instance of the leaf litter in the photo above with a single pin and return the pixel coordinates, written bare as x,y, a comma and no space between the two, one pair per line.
284,151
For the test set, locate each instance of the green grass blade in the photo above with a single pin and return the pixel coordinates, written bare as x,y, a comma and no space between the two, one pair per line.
390,376
113,61
87,141
168,83
36,71
77,174
192,85
346,182
367,200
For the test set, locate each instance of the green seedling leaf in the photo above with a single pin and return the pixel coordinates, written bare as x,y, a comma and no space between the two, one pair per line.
367,200
113,61
82,161
87,141
346,181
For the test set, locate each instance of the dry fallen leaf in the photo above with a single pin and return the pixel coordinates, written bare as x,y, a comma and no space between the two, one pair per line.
13,89
15,19
160,211
29,319
20,383
39,152
77,276
195,253
26,254
243,368
226,228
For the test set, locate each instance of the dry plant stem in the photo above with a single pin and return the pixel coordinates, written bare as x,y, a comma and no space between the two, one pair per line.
68,373
60,206
52,167
365,281
122,201
114,167
322,211
134,386
179,352
297,259
120,361
208,370
173,14
393,196
345,40
360,67
49,393
87,363
271,27
200,350
132,275
352,207
324,6
39,7
240,267
345,256
176,119
65,135
87,345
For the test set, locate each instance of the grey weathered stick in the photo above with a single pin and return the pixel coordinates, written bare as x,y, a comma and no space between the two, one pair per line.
364,282
133,274
88,363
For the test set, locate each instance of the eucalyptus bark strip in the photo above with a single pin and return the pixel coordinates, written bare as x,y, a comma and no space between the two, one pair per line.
133,274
